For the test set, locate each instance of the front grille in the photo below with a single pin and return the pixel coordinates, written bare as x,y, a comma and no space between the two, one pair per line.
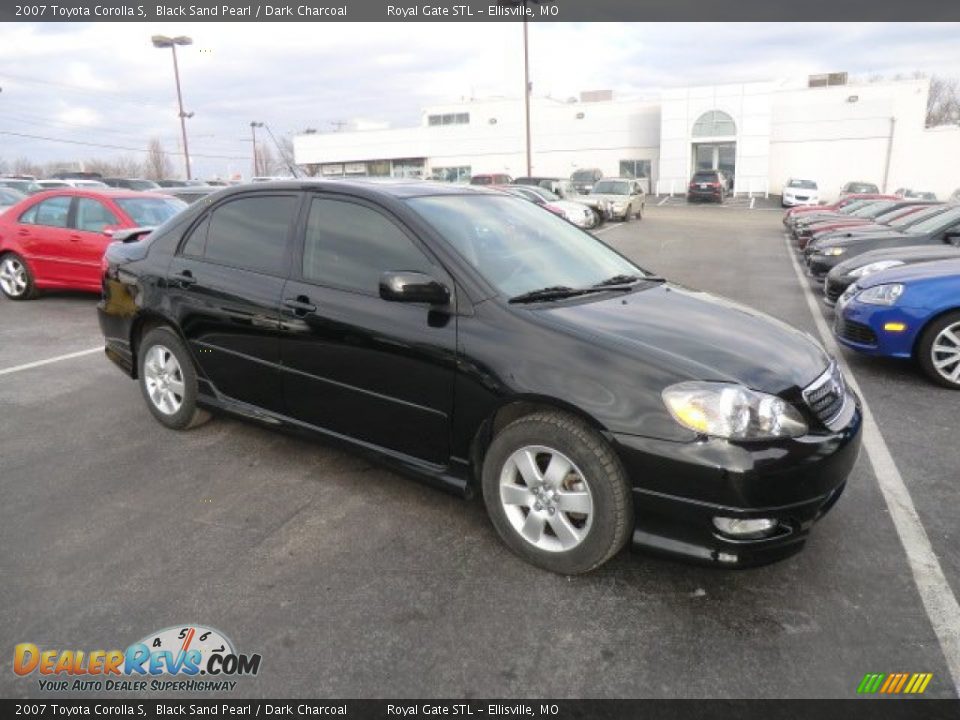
856,332
827,394
833,290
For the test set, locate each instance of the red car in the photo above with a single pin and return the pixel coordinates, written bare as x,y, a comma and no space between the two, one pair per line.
56,239
797,212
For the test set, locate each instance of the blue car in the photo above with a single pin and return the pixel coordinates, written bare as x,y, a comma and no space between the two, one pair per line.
907,312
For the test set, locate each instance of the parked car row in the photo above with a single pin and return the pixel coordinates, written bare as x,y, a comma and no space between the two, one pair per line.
28,185
890,265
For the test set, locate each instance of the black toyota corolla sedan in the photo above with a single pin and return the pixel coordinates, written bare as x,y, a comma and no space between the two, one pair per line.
491,348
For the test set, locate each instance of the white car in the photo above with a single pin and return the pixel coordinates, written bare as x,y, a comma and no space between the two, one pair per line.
577,213
798,192
73,182
625,197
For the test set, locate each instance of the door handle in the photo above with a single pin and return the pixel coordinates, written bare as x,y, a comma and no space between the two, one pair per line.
184,279
23,232
75,238
300,305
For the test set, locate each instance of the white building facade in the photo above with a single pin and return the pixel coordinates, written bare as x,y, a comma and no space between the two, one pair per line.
762,133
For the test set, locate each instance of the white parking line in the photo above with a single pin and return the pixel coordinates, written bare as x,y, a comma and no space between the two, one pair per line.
58,358
938,599
608,228
664,201
753,201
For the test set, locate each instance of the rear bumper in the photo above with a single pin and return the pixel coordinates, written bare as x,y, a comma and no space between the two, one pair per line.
116,338
679,488
712,194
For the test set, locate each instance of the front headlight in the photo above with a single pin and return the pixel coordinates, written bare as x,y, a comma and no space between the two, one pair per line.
881,294
873,267
833,251
732,411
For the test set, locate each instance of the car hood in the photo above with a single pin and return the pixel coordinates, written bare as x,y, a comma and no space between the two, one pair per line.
609,197
862,239
908,254
696,336
914,273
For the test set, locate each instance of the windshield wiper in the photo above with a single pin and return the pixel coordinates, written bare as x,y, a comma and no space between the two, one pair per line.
617,280
559,292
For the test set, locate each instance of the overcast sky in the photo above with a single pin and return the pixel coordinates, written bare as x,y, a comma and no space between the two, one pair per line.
105,83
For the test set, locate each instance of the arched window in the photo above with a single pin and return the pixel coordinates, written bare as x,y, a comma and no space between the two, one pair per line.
714,123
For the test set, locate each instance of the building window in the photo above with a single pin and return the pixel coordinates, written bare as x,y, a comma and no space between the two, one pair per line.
714,123
449,119
461,173
635,168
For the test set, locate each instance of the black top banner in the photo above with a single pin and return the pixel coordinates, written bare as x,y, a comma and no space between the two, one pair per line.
401,11
418,709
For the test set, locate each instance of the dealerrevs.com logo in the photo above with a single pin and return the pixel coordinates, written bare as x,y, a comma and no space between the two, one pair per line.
178,658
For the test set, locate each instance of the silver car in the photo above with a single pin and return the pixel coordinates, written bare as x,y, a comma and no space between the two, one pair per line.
625,197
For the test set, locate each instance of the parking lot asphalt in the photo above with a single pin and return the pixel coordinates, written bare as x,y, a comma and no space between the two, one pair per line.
352,581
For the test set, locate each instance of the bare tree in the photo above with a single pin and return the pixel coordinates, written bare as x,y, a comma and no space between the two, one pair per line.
158,165
25,166
943,101
266,162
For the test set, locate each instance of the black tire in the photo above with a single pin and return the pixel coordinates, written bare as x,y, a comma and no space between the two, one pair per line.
30,291
640,212
626,215
189,414
611,520
925,353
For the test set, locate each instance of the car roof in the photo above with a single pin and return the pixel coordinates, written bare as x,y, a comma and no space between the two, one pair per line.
391,187
94,191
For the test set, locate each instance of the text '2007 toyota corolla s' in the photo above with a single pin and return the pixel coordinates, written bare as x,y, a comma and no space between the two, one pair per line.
490,347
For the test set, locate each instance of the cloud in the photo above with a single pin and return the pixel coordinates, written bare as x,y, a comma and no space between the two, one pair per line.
105,83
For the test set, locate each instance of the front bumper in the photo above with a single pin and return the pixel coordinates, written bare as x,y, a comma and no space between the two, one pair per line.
862,327
792,201
680,487
820,265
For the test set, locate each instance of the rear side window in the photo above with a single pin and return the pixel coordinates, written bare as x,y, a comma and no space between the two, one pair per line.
249,233
705,177
349,246
52,213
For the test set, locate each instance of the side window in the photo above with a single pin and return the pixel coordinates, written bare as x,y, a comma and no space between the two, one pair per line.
349,246
251,232
93,216
30,216
197,242
53,212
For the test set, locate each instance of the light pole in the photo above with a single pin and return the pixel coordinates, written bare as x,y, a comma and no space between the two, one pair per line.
253,131
526,89
162,41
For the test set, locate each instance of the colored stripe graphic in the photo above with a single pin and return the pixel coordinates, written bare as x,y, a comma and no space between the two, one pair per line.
894,683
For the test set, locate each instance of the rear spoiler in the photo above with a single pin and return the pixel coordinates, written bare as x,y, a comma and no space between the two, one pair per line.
130,235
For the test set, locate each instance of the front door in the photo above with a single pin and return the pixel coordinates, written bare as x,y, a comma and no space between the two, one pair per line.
225,285
43,232
357,365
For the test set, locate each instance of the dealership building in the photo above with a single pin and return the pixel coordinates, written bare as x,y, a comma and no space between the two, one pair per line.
822,128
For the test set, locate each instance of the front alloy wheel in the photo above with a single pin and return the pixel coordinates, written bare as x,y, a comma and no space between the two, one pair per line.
557,493
546,498
940,351
168,380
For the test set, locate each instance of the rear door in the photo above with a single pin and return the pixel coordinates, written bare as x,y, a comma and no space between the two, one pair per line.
91,218
225,285
357,365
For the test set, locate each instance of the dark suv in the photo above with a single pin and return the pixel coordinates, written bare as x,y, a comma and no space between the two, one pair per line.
495,349
708,185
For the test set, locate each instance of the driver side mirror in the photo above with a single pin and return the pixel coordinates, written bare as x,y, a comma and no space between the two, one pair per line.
952,237
110,230
413,287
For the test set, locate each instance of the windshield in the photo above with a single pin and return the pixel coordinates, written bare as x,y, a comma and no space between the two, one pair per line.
850,208
805,184
142,185
148,212
937,222
517,247
873,209
611,187
582,175
861,188
913,218
543,192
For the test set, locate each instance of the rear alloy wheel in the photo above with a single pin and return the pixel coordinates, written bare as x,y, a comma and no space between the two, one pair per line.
939,351
15,278
168,380
556,493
